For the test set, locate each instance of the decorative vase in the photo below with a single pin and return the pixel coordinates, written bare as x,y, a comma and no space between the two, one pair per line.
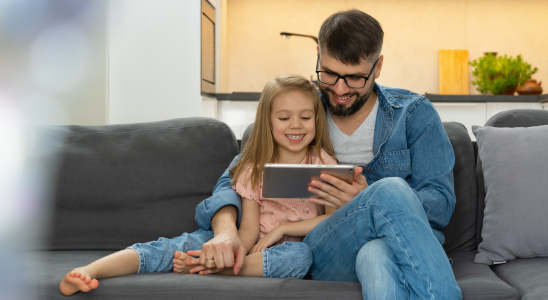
530,87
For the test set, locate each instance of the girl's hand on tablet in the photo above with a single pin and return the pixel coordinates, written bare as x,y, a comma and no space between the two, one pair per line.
337,193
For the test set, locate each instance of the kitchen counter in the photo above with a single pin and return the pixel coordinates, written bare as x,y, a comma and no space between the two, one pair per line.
251,96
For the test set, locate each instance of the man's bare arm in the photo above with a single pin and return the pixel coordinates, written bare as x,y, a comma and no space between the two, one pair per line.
225,249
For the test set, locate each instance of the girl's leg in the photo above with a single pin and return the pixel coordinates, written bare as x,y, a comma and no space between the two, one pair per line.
155,256
253,265
84,279
290,259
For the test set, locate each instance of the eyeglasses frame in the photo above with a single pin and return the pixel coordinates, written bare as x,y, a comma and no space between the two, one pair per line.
344,77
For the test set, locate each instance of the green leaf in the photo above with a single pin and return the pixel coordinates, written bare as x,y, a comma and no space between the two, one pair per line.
494,75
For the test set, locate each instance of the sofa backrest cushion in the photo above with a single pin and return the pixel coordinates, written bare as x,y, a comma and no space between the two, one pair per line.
245,136
510,118
122,184
460,233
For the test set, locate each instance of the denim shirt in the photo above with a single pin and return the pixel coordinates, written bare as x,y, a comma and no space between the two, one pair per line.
410,142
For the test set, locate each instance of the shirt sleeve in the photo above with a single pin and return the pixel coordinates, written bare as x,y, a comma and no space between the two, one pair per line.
432,161
223,195
244,188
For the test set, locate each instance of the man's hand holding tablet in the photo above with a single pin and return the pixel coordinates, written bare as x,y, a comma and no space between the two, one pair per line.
333,192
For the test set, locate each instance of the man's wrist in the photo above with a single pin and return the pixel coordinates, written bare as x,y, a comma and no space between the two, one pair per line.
224,221
226,229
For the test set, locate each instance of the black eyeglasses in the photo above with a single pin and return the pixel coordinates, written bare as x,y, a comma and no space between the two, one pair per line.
352,81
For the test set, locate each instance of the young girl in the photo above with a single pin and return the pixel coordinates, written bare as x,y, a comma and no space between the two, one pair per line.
290,128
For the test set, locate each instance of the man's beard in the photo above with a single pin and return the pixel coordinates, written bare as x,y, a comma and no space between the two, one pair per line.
339,109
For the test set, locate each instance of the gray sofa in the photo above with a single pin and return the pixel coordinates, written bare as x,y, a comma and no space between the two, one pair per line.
121,184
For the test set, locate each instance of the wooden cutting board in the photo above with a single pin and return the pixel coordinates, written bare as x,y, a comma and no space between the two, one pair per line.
453,65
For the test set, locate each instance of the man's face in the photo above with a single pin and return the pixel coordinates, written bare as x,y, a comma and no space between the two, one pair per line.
341,99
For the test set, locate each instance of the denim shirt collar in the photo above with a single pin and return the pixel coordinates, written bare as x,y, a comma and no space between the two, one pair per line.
386,101
385,118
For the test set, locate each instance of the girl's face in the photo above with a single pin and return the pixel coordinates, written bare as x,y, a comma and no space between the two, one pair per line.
293,124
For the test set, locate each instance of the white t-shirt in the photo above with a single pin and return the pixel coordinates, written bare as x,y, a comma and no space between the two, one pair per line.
357,148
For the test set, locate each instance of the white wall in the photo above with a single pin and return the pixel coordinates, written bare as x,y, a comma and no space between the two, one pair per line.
154,60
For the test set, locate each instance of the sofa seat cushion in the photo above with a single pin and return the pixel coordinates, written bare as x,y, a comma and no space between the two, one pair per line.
52,266
478,281
529,276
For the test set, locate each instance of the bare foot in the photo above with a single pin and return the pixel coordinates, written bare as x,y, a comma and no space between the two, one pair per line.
179,259
77,280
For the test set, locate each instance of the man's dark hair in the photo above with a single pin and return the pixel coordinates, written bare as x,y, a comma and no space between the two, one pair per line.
350,36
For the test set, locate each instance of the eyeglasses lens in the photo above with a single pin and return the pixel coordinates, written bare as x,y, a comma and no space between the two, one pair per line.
353,82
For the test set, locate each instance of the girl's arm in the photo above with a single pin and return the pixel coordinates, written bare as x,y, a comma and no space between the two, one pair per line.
304,227
301,228
249,226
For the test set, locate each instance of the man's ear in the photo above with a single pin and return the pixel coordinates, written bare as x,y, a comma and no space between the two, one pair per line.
318,49
379,67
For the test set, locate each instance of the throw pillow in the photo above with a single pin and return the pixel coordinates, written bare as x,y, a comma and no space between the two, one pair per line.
515,169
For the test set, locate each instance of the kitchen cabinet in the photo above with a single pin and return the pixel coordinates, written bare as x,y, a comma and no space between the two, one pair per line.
237,114
477,113
467,113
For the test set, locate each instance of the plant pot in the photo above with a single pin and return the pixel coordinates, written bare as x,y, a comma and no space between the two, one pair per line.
530,87
509,92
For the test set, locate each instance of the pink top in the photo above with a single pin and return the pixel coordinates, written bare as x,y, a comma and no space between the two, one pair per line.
279,211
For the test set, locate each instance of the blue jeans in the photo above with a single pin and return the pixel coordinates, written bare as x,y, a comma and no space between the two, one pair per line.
290,259
382,238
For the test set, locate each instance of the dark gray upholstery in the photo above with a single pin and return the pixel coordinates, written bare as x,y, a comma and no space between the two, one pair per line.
460,233
246,135
53,265
529,276
511,118
477,281
137,182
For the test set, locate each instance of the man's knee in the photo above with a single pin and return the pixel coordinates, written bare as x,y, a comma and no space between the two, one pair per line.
375,254
392,184
390,192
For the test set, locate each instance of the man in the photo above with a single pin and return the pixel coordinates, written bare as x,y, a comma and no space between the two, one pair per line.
385,233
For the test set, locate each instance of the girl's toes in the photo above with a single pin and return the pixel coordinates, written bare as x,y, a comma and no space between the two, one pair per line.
93,284
180,255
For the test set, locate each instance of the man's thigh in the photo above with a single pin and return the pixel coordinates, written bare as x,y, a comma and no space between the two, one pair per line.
335,243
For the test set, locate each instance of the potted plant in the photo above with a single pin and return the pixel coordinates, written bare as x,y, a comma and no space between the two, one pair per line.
500,75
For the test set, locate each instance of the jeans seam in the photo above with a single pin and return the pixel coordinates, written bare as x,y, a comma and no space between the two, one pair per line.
397,239
265,263
331,229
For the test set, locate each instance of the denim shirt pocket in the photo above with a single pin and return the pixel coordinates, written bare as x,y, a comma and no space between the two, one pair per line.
397,163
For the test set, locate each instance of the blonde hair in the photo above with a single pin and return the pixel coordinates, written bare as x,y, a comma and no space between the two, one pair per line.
261,147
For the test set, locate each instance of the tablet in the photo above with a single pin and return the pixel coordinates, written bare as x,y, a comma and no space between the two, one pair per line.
292,180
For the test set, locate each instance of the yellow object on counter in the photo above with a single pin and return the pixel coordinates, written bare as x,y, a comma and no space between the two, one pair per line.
453,66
